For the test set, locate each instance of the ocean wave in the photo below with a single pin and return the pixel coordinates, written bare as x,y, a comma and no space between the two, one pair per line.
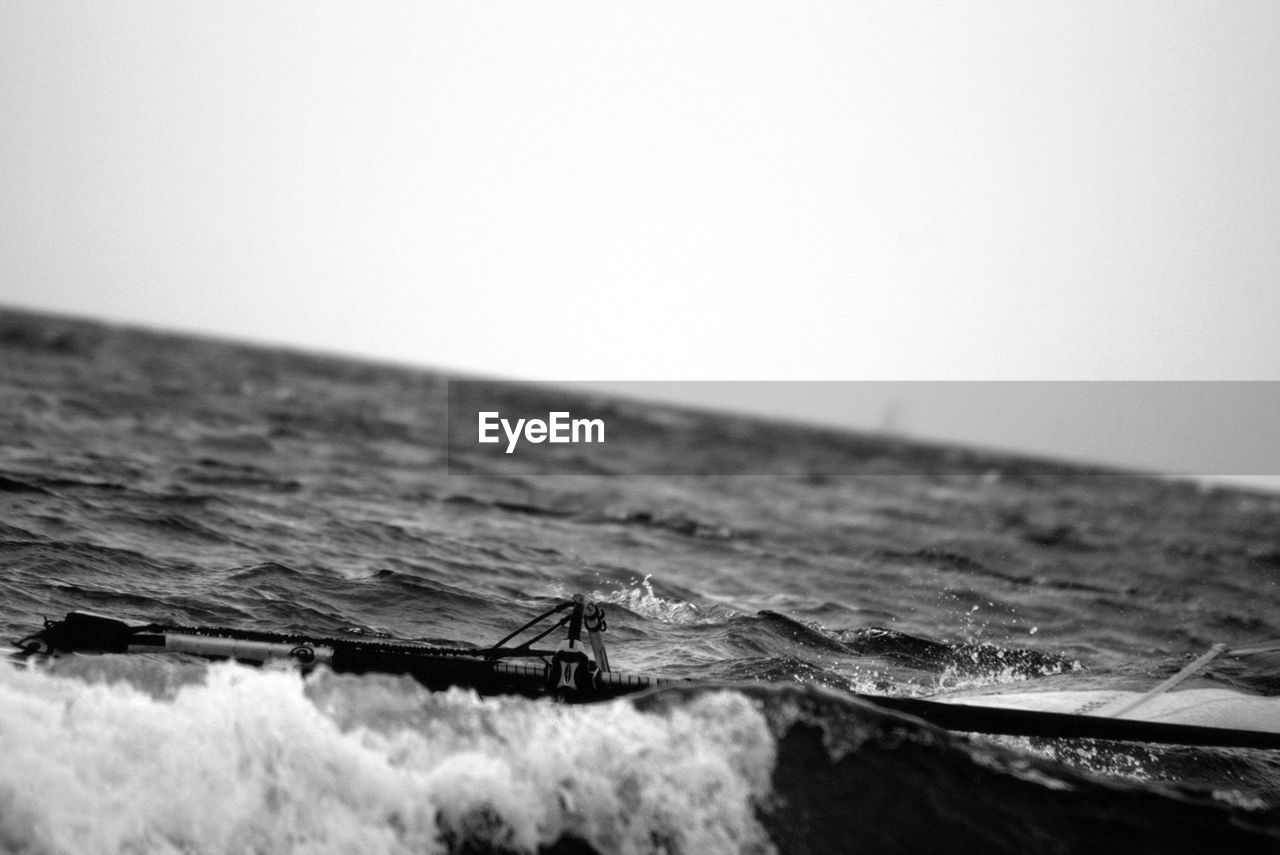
640,598
853,777
114,754
247,760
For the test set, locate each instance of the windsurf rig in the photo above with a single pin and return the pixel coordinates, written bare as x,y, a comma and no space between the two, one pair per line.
576,670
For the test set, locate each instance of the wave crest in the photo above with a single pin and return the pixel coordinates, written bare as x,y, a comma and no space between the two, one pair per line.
251,760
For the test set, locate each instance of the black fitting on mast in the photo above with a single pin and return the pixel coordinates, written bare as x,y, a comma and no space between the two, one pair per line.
571,673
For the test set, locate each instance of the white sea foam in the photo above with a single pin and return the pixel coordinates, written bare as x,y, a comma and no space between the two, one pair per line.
259,761
639,597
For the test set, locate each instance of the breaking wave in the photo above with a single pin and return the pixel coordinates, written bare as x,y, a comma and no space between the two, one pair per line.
159,759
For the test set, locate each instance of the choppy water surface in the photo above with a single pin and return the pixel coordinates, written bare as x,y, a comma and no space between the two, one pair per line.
196,482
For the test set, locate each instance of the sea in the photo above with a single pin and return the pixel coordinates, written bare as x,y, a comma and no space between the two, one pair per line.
194,481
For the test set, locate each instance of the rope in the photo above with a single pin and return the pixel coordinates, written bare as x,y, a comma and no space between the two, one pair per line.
1192,668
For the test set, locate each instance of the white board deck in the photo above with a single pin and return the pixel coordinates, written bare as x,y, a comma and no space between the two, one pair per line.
1202,707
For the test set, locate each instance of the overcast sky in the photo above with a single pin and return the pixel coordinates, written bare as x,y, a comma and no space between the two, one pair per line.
693,190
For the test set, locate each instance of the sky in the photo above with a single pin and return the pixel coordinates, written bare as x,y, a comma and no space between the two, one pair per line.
834,191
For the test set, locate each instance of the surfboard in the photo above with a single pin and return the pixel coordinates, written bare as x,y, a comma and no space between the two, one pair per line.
1202,707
